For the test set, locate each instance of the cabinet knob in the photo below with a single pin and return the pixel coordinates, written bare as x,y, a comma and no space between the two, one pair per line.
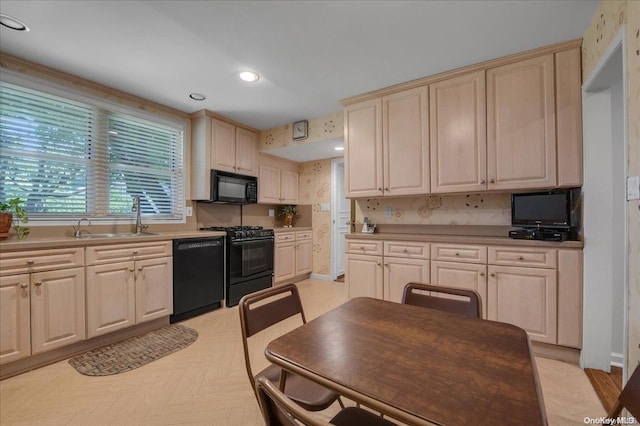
520,258
379,189
378,263
482,181
457,254
386,264
405,250
30,262
492,181
482,274
140,268
493,275
135,252
24,285
386,189
131,269
38,284
361,247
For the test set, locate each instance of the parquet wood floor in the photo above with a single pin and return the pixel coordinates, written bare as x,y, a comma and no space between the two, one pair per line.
206,383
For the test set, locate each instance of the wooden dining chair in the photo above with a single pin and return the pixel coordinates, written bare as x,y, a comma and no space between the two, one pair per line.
629,398
414,295
279,410
257,314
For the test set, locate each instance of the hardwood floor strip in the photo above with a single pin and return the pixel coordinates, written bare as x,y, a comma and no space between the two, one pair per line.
604,386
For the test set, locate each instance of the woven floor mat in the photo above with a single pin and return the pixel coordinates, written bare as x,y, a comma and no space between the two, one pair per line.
135,351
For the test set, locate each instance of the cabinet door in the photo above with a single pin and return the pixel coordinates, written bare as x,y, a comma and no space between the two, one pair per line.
405,142
57,309
363,149
284,261
111,296
269,185
223,146
15,328
399,272
467,276
525,297
457,121
363,276
521,141
289,187
304,257
246,152
154,288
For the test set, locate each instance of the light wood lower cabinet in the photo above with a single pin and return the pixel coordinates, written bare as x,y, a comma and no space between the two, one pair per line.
128,284
525,297
466,276
15,318
42,306
304,256
363,276
293,255
398,272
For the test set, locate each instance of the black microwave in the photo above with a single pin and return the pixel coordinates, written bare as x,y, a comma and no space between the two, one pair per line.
233,188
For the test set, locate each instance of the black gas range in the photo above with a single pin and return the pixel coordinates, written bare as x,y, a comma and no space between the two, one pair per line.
249,260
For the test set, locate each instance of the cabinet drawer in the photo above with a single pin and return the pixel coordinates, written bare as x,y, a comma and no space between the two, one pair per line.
364,247
285,237
122,252
533,257
406,249
40,260
303,235
459,253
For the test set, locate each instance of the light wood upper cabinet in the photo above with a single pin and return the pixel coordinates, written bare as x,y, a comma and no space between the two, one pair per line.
57,309
15,318
405,143
569,117
220,145
277,182
363,149
457,119
521,131
246,152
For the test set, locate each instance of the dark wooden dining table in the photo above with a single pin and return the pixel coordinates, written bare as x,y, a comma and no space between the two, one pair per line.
418,365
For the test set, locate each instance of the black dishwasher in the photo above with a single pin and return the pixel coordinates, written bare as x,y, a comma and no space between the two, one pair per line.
198,276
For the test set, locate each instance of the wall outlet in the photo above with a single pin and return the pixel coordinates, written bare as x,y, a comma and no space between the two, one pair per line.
387,213
633,188
272,212
324,207
188,211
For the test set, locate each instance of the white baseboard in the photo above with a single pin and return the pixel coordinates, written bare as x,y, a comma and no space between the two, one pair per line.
617,360
321,277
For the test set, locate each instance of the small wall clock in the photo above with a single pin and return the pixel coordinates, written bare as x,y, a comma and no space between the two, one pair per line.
300,130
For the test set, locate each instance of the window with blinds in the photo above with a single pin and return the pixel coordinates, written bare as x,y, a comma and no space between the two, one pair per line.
70,159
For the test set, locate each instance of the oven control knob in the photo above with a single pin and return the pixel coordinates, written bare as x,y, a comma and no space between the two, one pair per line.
252,233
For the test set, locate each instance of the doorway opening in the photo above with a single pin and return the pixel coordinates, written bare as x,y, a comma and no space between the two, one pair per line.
340,217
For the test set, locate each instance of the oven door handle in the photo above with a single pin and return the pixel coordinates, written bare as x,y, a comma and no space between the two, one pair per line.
249,241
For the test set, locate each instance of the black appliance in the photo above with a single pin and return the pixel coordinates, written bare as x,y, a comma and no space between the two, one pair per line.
198,276
552,215
232,188
249,254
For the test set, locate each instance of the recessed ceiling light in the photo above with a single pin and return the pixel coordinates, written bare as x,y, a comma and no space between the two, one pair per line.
197,97
249,76
339,148
13,23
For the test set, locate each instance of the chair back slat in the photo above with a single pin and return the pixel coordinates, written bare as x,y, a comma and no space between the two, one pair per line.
261,317
278,410
471,308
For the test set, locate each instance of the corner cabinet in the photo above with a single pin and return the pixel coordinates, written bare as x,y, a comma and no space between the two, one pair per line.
220,145
42,301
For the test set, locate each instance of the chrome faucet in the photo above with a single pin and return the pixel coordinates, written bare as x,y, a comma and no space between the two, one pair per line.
77,232
136,208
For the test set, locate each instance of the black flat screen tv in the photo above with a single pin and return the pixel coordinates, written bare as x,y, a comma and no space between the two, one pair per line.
551,209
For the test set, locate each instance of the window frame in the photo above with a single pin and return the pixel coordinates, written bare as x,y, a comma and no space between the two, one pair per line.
111,107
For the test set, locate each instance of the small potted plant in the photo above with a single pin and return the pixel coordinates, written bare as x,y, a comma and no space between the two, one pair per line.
7,209
288,212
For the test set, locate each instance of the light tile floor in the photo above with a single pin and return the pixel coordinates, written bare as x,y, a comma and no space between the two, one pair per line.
206,383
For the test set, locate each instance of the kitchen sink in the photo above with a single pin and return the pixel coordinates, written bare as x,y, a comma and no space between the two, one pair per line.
118,235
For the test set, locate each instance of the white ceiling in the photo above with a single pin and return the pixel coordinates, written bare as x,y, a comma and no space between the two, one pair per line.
310,54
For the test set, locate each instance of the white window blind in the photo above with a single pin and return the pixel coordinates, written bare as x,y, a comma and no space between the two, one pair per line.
74,159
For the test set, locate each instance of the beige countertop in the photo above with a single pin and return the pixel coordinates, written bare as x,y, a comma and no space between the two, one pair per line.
30,243
463,239
295,228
